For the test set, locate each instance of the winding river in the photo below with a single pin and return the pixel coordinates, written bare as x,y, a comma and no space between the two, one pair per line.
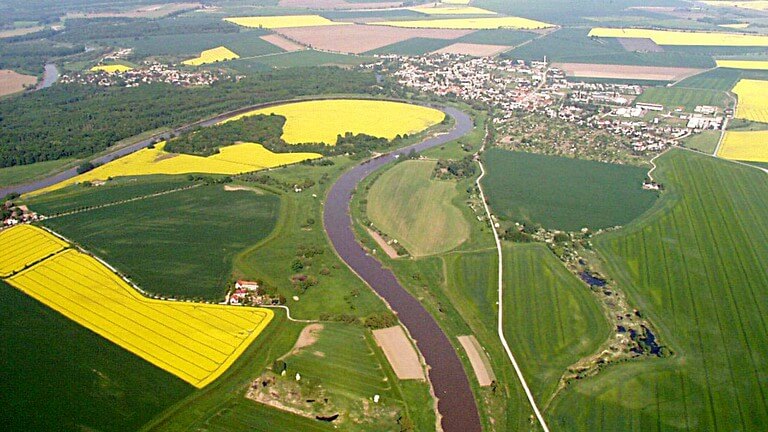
456,403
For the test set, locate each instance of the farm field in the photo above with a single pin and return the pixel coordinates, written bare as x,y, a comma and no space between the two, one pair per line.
284,21
674,37
476,50
413,46
213,55
451,10
13,82
322,121
563,193
358,39
470,23
407,205
196,342
25,245
695,266
745,146
282,43
247,43
758,5
743,64
92,384
752,95
111,68
673,97
723,79
652,73
165,244
305,58
23,173
498,37
705,141
232,159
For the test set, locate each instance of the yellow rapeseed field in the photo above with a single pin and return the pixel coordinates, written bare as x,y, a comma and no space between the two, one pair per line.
678,37
753,100
26,244
743,64
321,121
758,5
739,26
234,159
111,68
196,342
451,10
214,55
283,21
470,23
745,146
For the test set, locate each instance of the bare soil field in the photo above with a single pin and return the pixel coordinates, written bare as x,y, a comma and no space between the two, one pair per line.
307,338
357,39
235,188
388,249
336,4
149,11
19,32
477,50
640,45
400,352
626,72
12,82
479,360
281,42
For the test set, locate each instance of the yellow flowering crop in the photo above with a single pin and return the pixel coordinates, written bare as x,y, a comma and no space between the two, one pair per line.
739,26
745,146
212,56
753,100
196,342
111,68
743,64
679,37
25,244
234,159
283,21
470,23
452,10
321,121
754,5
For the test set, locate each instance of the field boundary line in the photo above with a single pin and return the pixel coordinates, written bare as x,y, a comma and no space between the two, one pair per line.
500,329
765,170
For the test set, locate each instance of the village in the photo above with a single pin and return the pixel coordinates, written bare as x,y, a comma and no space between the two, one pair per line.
149,73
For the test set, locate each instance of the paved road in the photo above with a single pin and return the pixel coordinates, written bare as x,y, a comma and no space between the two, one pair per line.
456,402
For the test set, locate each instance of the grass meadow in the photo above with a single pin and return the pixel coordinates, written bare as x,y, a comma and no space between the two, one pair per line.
181,244
720,79
673,97
563,193
24,173
695,265
408,205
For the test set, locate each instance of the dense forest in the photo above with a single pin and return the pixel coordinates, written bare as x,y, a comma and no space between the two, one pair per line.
78,121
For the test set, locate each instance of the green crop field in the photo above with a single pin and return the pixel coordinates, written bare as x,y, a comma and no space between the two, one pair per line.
672,97
413,47
563,193
25,173
695,266
308,58
419,212
721,78
245,44
180,244
57,375
498,37
76,196
560,323
705,142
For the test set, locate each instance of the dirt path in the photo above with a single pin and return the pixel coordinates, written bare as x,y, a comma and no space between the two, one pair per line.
388,249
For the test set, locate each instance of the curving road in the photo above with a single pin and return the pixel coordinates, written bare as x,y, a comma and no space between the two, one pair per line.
456,403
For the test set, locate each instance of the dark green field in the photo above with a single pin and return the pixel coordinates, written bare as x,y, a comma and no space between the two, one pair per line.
498,37
245,44
672,97
721,79
563,193
413,47
77,196
57,375
696,266
181,244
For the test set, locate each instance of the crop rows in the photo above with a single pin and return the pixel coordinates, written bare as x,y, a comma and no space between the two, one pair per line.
24,245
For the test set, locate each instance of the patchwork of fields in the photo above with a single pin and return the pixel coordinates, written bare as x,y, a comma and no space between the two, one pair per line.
452,10
753,100
324,120
196,342
696,268
283,21
676,37
25,245
214,55
470,23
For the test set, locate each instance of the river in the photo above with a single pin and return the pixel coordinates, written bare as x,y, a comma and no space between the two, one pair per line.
50,76
456,402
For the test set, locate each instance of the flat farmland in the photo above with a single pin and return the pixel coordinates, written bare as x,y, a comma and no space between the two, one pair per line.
196,342
283,21
25,245
749,146
407,205
563,193
652,73
477,50
283,43
684,38
753,100
470,23
673,97
13,82
743,64
695,266
357,39
181,244
213,55
451,10
323,121
338,4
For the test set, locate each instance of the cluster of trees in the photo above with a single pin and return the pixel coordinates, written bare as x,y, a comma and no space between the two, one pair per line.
31,56
456,169
78,121
262,129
